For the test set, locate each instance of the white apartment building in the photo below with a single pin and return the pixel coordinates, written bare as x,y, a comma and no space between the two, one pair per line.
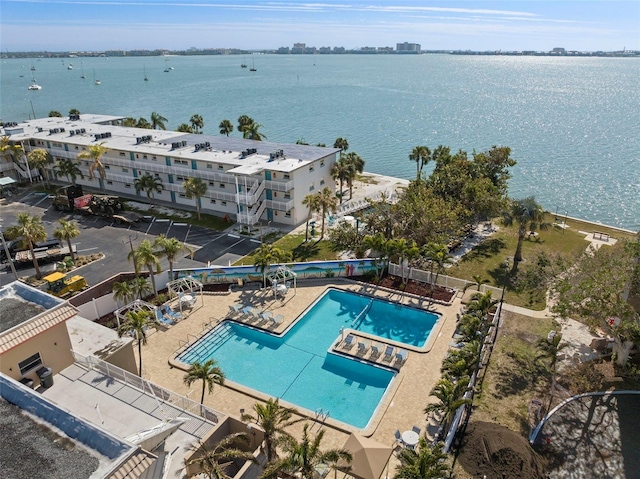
247,180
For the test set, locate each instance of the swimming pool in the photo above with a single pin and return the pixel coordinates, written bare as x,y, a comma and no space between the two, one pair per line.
297,367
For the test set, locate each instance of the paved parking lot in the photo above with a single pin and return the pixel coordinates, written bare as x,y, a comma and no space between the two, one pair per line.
116,241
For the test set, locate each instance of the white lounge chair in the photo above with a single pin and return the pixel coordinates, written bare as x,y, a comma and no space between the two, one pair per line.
236,308
363,346
277,319
388,353
375,350
402,355
266,315
348,341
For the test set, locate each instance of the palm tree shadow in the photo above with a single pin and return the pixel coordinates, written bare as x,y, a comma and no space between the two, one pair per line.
305,251
486,249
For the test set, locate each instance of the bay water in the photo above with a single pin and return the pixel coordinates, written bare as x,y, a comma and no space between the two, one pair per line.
573,124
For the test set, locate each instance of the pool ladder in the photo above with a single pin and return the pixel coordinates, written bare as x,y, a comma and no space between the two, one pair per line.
320,418
362,314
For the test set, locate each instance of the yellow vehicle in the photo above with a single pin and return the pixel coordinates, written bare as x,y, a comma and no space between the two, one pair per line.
59,285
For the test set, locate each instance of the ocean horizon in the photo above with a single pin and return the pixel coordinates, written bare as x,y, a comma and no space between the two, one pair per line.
571,123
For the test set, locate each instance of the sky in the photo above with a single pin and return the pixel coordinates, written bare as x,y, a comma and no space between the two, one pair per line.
97,25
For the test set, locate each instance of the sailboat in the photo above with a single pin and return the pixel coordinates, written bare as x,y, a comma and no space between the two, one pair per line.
244,63
82,65
253,66
33,68
97,82
146,78
70,66
34,85
166,68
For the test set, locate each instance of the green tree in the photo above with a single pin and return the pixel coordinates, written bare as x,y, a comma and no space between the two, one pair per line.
66,232
215,463
328,204
184,128
208,372
11,151
312,202
303,457
144,255
143,123
380,247
481,303
69,168
421,155
197,123
424,462
528,216
273,419
158,121
252,132
341,143
130,122
31,230
74,111
122,291
356,165
150,184
243,122
136,325
477,282
226,127
170,248
95,154
140,287
195,188
55,114
341,171
449,395
438,256
40,158
265,256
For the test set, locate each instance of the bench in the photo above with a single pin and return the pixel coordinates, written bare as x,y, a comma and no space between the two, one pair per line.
600,236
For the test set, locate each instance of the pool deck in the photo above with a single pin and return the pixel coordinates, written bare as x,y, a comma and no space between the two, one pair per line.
403,405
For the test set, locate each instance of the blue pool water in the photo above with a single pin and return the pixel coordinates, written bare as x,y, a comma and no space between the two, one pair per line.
298,368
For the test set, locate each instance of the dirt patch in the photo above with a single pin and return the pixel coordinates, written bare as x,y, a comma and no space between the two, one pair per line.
438,293
492,450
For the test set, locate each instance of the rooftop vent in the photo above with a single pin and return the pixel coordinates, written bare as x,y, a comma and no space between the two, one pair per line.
143,139
74,117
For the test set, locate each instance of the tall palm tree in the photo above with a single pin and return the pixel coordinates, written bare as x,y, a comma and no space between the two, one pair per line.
69,168
31,230
40,158
328,204
11,151
208,372
273,419
184,128
197,123
243,122
356,165
265,256
195,188
136,325
341,143
252,132
140,287
226,127
215,462
381,246
481,303
66,232
144,255
421,155
424,462
143,123
340,171
170,248
529,216
150,184
122,291
95,154
449,395
313,203
158,121
303,457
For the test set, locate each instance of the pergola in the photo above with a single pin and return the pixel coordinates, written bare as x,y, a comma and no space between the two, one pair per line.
280,279
185,289
137,305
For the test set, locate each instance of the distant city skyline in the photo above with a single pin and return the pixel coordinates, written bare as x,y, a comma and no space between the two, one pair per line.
94,25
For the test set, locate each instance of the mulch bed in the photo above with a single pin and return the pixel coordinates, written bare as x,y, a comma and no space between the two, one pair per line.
438,293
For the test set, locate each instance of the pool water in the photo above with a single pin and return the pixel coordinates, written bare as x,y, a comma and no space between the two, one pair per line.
298,368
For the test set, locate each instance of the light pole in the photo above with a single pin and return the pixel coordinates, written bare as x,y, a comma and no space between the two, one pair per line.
9,258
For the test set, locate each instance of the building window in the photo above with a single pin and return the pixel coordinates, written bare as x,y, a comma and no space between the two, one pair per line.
122,153
287,176
154,158
127,186
220,167
287,196
125,170
107,167
180,162
321,182
180,178
30,363
182,195
209,165
223,203
321,163
213,202
144,157
287,214
275,194
222,185
212,183
109,182
310,169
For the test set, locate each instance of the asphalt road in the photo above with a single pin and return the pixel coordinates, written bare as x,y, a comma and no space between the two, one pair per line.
98,235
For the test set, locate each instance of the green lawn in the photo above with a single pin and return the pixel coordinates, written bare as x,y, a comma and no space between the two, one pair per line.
314,250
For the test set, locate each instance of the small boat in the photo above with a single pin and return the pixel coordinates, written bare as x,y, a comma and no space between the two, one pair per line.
166,68
70,66
34,85
253,66
82,65
33,68
146,78
244,63
96,81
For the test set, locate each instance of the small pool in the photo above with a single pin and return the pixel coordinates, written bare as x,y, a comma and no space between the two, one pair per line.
298,368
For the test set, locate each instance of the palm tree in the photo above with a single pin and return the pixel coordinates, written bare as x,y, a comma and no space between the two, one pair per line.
273,419
144,255
55,114
95,153
381,246
140,287
226,127
313,203
340,171
122,291
40,158
130,122
356,165
449,395
169,248
195,188
184,128
158,121
424,462
328,204
481,303
66,232
421,155
529,216
143,123
303,457
243,122
31,230
477,282
215,462
252,132
150,184
341,143
74,111
265,256
136,326
208,372
197,123
11,151
69,168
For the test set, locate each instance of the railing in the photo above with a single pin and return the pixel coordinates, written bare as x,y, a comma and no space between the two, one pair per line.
161,394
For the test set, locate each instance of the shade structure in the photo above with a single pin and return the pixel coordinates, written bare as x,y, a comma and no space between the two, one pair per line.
369,457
